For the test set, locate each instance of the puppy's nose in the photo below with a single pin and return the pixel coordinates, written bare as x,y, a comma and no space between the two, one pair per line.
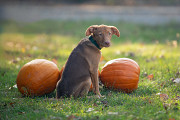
107,43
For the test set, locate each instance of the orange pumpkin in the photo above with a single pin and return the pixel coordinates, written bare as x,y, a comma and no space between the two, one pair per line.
61,71
121,74
38,77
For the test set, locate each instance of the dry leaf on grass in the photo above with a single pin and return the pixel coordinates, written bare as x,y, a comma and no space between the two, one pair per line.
112,113
150,101
172,119
177,80
90,109
95,105
14,86
12,104
71,117
150,77
163,97
20,113
162,84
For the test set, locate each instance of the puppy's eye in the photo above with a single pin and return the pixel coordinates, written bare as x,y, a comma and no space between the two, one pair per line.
109,33
100,34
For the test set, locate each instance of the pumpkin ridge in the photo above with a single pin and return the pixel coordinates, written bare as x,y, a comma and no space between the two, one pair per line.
120,68
119,73
119,64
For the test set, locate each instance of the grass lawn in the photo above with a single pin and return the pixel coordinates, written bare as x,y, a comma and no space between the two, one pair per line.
155,48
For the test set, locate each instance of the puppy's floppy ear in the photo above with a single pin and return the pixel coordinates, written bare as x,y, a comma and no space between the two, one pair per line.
91,29
115,31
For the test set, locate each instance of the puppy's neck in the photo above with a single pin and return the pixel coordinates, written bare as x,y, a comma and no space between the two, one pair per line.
94,42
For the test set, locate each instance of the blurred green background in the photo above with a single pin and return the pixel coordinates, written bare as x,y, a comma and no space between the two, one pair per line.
50,29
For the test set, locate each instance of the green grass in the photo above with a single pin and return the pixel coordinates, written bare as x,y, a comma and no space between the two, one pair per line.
150,46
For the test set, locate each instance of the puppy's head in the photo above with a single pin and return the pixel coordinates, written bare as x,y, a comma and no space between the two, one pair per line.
102,34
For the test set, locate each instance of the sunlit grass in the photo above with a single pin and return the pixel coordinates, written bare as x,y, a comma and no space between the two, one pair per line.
159,57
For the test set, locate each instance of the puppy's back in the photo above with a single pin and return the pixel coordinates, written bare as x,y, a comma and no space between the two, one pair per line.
76,69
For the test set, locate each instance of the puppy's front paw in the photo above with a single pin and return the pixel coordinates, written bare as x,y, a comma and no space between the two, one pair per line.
100,96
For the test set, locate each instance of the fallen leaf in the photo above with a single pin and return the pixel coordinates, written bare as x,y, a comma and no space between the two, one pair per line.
171,119
95,105
177,80
12,104
150,77
162,84
113,113
14,86
150,101
90,109
71,117
20,113
163,97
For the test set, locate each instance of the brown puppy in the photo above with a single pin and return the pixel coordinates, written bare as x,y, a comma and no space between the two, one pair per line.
82,65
